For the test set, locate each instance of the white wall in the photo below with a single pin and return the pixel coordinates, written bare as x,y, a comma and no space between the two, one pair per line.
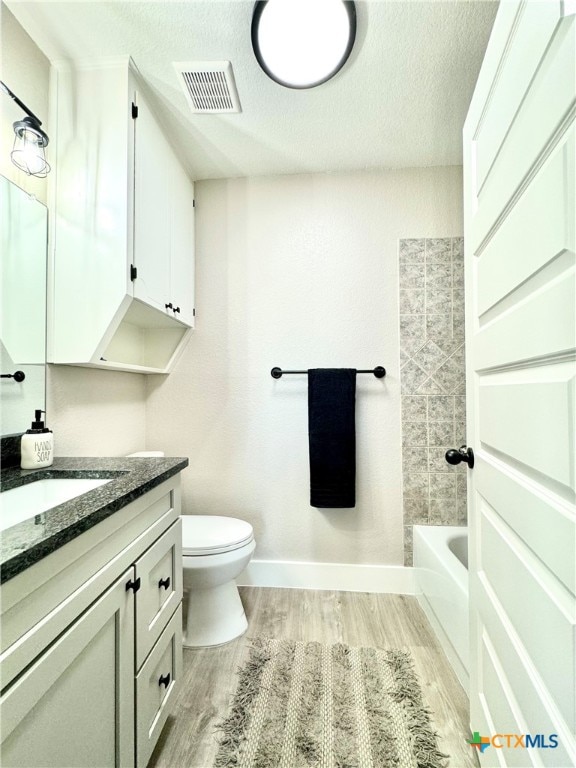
96,413
297,271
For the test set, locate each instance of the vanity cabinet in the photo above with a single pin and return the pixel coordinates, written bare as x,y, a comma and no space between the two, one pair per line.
92,642
122,248
74,706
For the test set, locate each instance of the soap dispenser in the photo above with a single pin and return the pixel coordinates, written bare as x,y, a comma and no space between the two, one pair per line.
37,445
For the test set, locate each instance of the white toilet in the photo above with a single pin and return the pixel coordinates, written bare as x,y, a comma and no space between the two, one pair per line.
215,550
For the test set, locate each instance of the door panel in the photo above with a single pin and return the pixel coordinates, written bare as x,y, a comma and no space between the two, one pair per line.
521,394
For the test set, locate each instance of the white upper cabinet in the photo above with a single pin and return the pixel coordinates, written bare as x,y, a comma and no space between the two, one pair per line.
122,245
163,221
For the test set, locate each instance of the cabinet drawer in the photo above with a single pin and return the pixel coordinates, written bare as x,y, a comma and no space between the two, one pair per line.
160,572
156,686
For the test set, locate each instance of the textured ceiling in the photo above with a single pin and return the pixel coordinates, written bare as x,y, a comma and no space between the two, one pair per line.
400,100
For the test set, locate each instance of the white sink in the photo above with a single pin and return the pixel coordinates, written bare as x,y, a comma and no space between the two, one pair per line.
21,503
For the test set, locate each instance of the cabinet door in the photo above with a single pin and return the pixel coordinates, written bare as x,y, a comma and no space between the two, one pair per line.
160,573
152,209
182,254
74,707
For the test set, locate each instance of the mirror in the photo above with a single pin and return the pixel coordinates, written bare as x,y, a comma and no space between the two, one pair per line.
23,267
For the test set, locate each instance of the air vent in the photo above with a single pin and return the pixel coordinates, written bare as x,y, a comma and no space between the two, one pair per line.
209,86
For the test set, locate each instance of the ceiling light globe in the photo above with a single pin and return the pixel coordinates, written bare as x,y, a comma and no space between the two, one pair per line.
303,43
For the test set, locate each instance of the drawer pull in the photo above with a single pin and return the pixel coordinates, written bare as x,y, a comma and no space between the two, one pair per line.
164,583
133,585
164,680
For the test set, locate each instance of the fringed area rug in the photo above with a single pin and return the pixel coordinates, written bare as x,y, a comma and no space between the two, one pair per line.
309,705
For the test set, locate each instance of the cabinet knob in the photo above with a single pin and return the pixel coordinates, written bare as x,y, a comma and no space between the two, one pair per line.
168,306
134,585
176,309
164,583
164,680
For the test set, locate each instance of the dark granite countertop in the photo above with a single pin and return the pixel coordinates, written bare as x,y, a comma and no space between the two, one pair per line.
27,542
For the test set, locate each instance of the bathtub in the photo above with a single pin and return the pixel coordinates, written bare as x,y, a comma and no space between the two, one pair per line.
441,565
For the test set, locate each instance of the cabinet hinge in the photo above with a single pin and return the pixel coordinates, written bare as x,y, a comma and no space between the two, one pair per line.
134,111
133,585
193,203
194,312
133,272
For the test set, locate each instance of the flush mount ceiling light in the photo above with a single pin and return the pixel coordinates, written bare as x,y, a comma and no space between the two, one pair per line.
29,141
303,43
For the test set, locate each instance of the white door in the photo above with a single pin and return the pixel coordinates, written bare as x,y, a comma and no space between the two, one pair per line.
74,706
182,254
152,209
519,179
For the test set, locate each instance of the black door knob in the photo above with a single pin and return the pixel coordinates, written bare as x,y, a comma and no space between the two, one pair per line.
454,456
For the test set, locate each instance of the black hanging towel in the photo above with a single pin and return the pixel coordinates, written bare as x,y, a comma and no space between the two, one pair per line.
332,437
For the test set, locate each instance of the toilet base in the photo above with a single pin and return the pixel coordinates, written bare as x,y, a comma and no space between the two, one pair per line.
215,616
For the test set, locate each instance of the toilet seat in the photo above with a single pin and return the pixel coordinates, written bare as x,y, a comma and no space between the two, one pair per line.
213,534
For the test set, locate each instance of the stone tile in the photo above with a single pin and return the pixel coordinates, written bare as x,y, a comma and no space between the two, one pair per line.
458,299
414,433
451,377
457,248
459,432
460,407
448,345
438,275
413,408
415,485
411,376
429,357
438,249
459,356
411,302
462,485
404,357
429,387
408,544
461,510
458,274
408,558
441,408
438,301
411,250
443,512
408,536
440,432
412,276
414,459
458,325
412,332
443,486
439,327
416,511
436,460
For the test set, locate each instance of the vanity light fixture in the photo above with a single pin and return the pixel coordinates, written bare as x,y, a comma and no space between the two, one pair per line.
303,43
29,141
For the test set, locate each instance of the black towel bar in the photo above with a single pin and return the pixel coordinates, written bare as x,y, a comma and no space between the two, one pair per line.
379,372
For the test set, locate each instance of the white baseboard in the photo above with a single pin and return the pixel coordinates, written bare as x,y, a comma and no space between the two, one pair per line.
395,579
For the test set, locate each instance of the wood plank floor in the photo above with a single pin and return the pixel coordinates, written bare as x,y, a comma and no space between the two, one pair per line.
189,739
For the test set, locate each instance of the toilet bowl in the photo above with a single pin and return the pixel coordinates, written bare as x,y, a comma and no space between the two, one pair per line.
215,550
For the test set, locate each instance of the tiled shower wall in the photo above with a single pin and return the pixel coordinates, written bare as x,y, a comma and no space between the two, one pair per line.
432,379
